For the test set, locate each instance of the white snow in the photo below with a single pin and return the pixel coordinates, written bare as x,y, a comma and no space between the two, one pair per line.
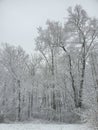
31,126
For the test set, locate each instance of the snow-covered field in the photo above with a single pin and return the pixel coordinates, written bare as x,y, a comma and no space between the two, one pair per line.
31,126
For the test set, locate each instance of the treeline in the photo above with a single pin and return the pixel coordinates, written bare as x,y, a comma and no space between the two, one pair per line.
59,80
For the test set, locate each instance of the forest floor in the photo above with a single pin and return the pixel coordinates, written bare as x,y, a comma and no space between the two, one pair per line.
36,126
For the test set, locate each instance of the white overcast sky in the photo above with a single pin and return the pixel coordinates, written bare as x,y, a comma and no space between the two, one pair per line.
20,18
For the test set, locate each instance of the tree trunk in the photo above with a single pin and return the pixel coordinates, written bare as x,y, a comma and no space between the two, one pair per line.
19,101
29,105
72,79
32,102
82,76
53,84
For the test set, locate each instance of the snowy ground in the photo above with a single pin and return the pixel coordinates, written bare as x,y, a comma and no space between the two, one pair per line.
31,126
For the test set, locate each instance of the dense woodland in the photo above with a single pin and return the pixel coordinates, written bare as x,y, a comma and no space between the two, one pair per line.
60,80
